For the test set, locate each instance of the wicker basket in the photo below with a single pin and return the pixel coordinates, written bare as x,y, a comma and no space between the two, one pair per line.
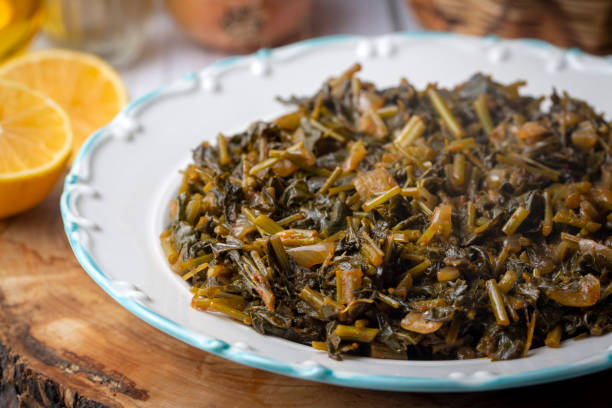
586,24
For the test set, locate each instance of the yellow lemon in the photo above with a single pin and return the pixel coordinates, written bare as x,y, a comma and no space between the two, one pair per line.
88,89
35,144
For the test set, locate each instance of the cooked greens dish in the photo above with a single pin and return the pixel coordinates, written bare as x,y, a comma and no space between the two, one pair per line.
405,224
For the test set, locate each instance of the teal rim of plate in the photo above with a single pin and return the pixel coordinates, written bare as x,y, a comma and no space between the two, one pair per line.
316,372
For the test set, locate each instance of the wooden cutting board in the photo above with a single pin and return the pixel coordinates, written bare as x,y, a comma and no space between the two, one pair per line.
65,343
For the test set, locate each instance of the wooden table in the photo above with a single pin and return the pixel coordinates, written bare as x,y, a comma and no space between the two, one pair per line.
64,342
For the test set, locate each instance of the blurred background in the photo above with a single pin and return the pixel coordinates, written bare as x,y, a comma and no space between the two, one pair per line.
151,42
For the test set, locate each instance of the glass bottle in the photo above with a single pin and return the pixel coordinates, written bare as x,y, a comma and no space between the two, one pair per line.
112,29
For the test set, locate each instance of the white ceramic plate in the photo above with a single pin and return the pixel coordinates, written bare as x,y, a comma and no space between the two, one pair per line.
115,197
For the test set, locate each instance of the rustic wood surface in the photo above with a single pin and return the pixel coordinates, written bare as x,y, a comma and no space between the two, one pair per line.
65,343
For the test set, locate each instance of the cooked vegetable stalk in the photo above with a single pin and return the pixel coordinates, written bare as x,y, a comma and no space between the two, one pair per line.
445,113
567,217
267,224
547,225
224,158
371,251
462,144
419,269
331,180
413,129
404,285
470,217
279,251
388,300
381,199
440,222
413,192
340,189
458,174
263,165
218,306
347,282
193,208
497,303
553,337
194,271
480,106
406,235
324,306
290,219
352,333
515,221
327,131
530,332
507,281
191,263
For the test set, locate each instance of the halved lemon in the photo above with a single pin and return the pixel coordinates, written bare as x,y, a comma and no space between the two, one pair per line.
87,88
35,144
